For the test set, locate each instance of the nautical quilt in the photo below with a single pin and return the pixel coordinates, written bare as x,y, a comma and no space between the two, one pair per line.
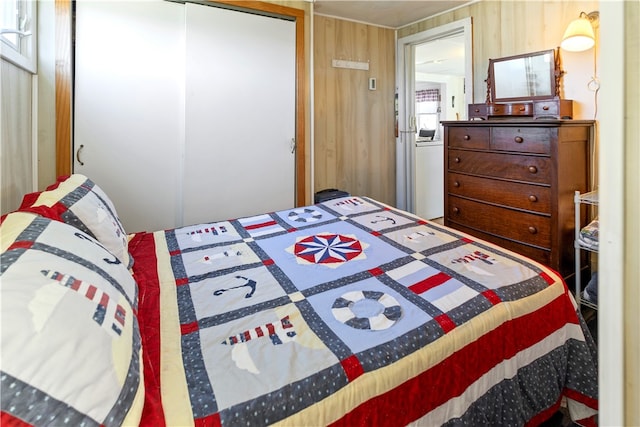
350,312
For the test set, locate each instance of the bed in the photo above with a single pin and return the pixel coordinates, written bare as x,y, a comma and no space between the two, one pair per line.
346,312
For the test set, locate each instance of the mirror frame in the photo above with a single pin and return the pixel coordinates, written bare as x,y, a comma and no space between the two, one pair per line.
554,74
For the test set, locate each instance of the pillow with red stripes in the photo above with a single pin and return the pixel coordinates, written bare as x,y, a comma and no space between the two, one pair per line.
71,347
78,201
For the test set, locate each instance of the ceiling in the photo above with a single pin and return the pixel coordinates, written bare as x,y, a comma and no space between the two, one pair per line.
443,56
392,14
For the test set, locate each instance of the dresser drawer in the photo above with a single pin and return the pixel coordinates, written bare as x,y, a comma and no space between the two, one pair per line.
524,140
469,137
523,227
501,165
553,109
507,193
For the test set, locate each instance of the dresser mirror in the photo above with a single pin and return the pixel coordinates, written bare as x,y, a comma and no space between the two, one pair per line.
523,77
526,85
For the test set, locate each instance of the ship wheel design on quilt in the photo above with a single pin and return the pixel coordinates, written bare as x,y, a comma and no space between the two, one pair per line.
328,248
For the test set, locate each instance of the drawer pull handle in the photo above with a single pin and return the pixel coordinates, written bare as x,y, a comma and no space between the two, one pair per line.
456,184
545,108
78,155
457,160
533,169
466,137
533,198
521,108
456,210
519,139
477,110
533,230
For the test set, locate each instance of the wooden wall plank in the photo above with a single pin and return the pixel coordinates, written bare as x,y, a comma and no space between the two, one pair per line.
354,135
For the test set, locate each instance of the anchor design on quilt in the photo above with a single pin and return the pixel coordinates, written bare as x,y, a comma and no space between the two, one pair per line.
207,259
469,259
250,283
92,293
384,219
279,332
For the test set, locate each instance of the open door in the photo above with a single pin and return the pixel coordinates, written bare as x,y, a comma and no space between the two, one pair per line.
408,141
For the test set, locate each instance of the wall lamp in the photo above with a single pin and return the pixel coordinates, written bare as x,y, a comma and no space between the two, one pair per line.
579,34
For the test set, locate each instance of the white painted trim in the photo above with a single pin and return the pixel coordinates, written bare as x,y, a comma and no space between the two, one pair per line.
27,61
182,126
34,132
405,148
611,378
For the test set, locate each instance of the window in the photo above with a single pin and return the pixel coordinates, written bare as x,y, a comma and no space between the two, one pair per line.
18,27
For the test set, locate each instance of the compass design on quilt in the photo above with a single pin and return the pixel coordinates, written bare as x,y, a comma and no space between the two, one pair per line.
328,249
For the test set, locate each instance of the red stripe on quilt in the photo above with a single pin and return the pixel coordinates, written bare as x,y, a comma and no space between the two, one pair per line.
376,271
268,262
21,244
544,415
212,420
188,328
260,225
492,296
91,292
352,367
579,397
445,322
429,282
7,419
461,369
143,250
547,278
182,281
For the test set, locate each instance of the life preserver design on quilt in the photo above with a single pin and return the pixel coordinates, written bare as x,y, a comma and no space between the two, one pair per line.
305,215
368,310
329,249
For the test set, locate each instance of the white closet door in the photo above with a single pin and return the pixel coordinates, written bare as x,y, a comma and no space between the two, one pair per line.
240,114
128,92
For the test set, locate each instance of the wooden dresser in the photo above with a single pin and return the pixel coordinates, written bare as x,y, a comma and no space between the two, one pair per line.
512,182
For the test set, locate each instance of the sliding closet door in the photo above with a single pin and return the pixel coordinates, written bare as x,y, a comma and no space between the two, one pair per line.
129,82
240,114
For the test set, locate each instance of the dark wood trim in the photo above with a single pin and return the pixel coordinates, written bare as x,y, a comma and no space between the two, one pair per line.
64,85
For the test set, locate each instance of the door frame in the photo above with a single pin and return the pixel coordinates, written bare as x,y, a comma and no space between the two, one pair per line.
64,84
405,87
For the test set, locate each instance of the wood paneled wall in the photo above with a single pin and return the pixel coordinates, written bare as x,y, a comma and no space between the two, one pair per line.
354,146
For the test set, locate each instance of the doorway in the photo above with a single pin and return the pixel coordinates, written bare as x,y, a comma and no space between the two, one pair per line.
435,79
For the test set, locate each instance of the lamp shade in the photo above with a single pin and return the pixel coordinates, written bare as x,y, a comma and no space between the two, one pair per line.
579,36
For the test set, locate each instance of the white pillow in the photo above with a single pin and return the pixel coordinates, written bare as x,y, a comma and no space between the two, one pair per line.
71,346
